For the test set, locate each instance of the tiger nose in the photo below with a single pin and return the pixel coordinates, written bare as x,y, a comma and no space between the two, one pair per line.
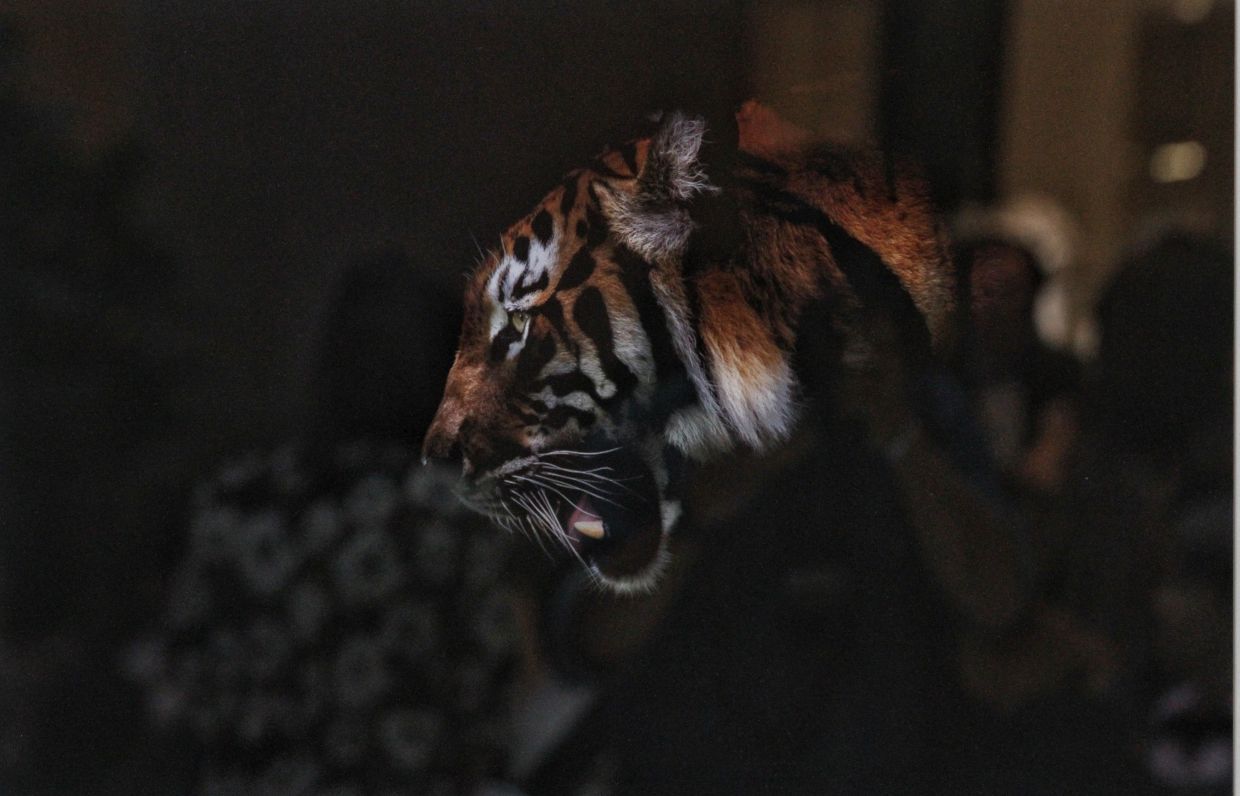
442,449
442,443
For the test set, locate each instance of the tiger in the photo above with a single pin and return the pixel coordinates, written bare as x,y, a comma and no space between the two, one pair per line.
647,315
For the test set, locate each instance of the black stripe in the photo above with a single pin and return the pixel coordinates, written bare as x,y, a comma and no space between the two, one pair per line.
553,311
673,388
521,248
596,221
563,384
559,416
533,287
534,357
525,416
635,275
504,338
629,153
693,304
604,170
597,232
552,417
569,199
578,270
590,315
542,226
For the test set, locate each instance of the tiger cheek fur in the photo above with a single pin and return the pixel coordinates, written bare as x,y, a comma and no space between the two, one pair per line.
603,335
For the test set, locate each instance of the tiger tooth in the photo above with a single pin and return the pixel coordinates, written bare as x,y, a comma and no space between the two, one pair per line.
590,528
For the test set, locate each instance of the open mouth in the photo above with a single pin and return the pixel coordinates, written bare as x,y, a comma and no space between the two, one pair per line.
608,509
617,542
602,505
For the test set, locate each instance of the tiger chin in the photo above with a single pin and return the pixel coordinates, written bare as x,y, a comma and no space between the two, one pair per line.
648,312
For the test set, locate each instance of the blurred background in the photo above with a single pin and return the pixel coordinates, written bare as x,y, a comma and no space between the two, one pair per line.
226,226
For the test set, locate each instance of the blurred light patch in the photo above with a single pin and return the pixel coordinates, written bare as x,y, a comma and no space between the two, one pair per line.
1177,162
1190,12
1052,315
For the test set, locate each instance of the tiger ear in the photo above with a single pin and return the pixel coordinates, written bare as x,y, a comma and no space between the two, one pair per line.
653,219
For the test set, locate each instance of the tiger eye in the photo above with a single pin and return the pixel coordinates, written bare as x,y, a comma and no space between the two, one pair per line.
519,321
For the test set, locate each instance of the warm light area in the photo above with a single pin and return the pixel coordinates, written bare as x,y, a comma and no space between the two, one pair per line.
1177,162
1190,12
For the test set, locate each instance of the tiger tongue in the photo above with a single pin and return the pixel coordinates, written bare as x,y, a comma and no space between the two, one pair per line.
585,520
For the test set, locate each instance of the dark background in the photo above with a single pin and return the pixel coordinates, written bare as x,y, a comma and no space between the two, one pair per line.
182,185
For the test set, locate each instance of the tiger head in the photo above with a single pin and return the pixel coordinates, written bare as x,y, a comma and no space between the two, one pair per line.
567,375
605,342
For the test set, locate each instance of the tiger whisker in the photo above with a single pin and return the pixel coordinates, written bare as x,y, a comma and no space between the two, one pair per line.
558,479
527,520
544,484
549,526
570,452
486,507
595,482
478,506
585,488
512,521
537,537
550,513
539,507
482,255
507,524
534,515
595,474
599,468
593,470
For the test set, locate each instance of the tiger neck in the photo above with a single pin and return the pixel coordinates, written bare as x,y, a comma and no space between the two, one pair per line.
733,319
